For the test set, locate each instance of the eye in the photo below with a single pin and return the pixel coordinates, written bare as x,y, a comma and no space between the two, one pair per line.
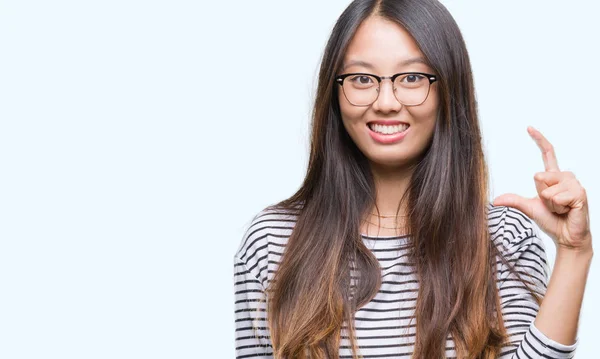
412,78
362,79
411,81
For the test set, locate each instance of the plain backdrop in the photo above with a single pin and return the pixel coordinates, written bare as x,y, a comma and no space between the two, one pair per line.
138,139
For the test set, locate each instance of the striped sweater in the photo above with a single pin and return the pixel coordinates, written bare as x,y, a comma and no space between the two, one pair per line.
384,328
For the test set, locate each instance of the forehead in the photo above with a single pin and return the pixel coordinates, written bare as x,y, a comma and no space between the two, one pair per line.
383,44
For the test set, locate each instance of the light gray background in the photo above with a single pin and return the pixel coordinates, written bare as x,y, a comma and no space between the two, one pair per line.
138,139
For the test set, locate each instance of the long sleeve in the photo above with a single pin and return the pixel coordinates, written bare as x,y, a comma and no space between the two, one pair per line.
526,251
252,338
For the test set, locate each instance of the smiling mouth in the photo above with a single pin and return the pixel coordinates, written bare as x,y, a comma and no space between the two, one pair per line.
387,129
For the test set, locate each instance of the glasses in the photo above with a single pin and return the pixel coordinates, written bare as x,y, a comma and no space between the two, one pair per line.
410,88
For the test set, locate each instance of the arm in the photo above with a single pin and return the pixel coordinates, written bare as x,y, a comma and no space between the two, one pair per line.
559,313
521,313
252,338
561,210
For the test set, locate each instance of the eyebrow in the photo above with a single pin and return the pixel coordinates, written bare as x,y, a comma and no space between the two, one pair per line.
407,62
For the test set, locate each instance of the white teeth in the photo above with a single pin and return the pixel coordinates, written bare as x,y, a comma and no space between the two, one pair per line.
388,130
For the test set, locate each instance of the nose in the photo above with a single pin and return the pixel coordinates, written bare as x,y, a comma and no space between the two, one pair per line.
386,100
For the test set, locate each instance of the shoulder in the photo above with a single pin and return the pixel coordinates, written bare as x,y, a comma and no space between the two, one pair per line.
263,228
509,225
516,236
265,235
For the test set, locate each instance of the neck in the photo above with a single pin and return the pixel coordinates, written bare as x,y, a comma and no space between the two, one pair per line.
390,186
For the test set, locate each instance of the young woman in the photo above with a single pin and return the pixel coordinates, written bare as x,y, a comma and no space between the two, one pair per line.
390,248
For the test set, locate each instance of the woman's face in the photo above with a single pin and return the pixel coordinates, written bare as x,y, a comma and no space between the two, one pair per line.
381,46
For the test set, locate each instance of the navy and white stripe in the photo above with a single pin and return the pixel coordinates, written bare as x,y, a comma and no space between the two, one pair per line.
385,327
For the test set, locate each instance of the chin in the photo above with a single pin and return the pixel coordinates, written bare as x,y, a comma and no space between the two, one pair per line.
390,161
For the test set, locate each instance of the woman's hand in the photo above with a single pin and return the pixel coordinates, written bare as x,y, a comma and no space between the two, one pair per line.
560,209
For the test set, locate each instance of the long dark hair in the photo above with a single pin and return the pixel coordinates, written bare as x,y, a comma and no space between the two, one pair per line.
309,296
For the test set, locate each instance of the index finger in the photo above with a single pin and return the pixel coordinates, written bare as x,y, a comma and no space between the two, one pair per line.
548,155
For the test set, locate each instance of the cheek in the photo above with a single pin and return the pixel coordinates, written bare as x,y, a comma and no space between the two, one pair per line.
345,107
432,104
351,115
425,124
426,114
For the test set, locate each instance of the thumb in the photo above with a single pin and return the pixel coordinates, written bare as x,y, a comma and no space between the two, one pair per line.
514,200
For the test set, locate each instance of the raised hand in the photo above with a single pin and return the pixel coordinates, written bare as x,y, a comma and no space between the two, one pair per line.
560,209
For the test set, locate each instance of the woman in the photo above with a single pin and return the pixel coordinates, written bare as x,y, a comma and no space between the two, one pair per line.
390,248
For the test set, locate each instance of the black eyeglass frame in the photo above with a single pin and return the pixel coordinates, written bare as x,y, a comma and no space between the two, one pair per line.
431,77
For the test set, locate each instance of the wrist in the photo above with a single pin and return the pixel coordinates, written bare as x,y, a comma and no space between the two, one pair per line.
585,253
585,249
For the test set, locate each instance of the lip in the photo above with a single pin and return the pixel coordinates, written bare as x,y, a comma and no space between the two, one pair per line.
387,139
